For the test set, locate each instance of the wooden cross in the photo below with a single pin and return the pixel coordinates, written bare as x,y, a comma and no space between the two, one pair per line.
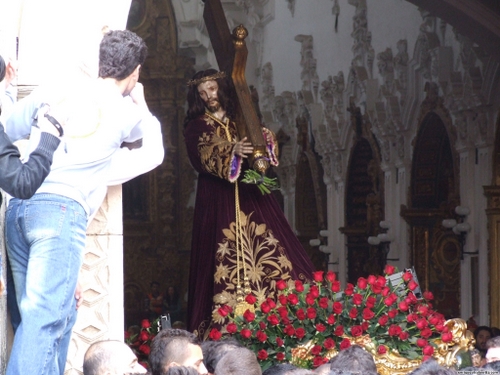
231,54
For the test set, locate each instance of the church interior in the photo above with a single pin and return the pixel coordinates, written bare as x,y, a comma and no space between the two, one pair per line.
388,118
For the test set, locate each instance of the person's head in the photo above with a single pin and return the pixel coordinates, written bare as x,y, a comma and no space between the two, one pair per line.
181,370
482,334
121,55
239,361
493,349
280,369
208,89
431,367
175,347
110,358
354,358
213,351
155,286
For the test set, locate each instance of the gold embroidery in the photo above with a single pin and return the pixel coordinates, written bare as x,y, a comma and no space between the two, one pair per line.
265,262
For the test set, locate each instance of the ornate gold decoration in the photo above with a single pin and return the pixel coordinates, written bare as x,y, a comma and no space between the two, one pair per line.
392,363
261,162
213,77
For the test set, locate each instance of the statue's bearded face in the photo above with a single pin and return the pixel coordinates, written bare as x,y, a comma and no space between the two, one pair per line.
208,92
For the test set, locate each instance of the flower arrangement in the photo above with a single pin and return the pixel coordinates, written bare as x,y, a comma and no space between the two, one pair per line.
319,319
140,342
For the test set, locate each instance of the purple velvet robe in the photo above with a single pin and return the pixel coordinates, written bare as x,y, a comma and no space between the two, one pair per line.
272,251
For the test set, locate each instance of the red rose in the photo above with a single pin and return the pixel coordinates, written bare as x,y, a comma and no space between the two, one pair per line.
370,302
330,276
311,313
329,343
337,307
215,334
428,295
428,350
421,343
385,291
410,318
412,285
145,349
345,344
283,300
353,313
127,335
382,349
262,354
423,310
271,303
231,328
339,331
336,286
250,298
318,361
262,325
440,327
404,336
279,341
289,330
362,283
301,315
280,356
331,319
144,336
356,331
357,299
300,333
281,284
392,313
365,326
310,299
407,276
246,333
447,337
249,316
426,333
273,319
411,299
368,314
318,276
283,311
316,349
222,311
421,324
349,289
383,320
314,291
403,306
323,303
320,327
394,330
145,323
264,307
389,270
371,279
293,299
261,336
299,287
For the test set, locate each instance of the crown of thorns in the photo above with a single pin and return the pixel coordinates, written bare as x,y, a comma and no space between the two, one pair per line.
213,77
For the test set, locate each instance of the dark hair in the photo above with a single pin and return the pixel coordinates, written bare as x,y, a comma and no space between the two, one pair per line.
431,367
279,369
239,361
168,346
120,52
354,358
181,370
482,328
3,68
174,299
196,105
213,351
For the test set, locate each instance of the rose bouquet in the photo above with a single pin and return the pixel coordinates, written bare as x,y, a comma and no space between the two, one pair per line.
140,342
318,319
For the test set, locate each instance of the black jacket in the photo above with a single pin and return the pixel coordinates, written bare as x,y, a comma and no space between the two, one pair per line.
22,180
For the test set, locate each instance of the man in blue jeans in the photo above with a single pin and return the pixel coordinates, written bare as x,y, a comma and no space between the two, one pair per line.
46,233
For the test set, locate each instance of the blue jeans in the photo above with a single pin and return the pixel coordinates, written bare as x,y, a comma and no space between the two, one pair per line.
45,242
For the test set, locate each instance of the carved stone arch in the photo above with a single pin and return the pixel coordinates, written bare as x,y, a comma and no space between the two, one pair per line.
492,193
433,195
364,200
157,214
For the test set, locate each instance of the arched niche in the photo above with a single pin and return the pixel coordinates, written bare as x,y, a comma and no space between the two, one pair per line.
435,251
364,208
492,193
